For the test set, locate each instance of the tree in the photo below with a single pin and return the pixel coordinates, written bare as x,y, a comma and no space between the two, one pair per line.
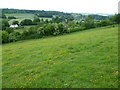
9,30
46,21
61,28
104,23
89,22
49,29
116,18
11,17
4,24
26,22
5,36
36,21
15,22
71,24
25,33
14,36
3,16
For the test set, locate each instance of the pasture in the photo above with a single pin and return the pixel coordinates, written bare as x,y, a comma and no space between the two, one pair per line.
85,59
22,16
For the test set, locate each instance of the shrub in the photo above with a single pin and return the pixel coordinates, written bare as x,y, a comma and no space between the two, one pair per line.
4,24
89,22
40,32
25,34
49,29
26,22
61,28
36,21
80,28
14,36
11,17
116,18
32,30
104,23
5,37
3,16
15,22
9,30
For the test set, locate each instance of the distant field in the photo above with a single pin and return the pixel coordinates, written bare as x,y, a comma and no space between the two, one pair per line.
85,59
22,16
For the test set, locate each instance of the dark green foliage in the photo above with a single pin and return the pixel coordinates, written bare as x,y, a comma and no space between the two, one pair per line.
74,29
71,24
40,32
36,21
57,19
5,37
26,22
49,29
11,17
99,17
14,36
104,23
32,30
3,16
15,22
4,24
116,18
25,33
54,27
89,22
9,30
46,21
61,28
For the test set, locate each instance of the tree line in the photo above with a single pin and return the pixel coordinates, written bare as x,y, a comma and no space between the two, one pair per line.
48,28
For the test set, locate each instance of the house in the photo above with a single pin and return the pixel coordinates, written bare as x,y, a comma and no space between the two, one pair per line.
14,26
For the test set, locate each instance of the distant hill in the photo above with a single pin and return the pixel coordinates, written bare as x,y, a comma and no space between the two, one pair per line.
50,14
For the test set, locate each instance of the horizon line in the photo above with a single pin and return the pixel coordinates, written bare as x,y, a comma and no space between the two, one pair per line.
62,11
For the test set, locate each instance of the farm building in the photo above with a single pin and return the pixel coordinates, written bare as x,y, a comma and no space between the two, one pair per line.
14,26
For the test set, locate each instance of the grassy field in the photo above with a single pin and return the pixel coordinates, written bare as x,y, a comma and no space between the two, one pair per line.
86,59
22,16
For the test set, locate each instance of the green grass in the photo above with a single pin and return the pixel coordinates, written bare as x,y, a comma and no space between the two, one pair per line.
22,16
86,59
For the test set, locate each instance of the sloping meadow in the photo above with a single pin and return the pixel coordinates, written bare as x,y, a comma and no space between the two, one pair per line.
86,59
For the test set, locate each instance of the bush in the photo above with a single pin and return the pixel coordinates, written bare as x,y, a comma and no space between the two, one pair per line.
11,17
89,22
40,32
80,28
104,23
26,22
5,37
4,24
25,34
3,16
14,36
9,30
36,21
15,22
116,18
61,28
49,29
32,30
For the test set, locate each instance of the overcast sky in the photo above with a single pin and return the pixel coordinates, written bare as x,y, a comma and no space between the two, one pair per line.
76,6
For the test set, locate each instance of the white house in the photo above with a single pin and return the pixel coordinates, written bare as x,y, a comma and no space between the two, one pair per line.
14,26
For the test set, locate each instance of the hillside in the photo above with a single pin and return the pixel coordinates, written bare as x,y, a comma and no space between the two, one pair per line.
85,59
50,14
